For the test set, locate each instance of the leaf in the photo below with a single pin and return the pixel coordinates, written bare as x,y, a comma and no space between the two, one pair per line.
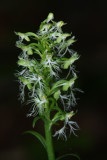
34,121
66,155
38,136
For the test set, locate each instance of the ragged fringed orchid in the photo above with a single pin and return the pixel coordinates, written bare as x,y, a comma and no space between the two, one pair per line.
47,73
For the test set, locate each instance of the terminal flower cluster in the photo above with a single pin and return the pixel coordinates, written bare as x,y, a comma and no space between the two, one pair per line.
45,59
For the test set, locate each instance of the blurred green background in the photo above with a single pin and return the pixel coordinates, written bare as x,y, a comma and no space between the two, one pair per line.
88,22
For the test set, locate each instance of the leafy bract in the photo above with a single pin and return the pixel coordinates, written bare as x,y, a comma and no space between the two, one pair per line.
38,136
35,120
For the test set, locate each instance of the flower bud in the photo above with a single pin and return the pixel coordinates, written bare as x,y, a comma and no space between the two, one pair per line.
57,94
60,24
50,17
22,62
30,52
65,87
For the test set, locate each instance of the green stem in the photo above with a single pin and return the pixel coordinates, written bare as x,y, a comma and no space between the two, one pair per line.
49,144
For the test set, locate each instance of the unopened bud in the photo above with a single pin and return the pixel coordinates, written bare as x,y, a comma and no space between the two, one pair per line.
50,17
60,24
22,62
57,94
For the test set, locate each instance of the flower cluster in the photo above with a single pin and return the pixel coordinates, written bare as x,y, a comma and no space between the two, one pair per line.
43,68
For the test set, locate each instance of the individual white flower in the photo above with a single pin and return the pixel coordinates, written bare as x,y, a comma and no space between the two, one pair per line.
63,98
20,73
21,91
22,36
71,69
61,133
34,78
51,64
45,28
40,103
73,125
33,111
63,48
40,100
72,101
59,25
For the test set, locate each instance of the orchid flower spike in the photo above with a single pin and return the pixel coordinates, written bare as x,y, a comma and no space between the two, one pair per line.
47,74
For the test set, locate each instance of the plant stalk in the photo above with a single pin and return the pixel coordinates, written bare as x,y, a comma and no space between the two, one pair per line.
49,142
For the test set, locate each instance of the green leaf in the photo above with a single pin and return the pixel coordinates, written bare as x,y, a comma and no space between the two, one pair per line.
38,136
34,121
66,155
